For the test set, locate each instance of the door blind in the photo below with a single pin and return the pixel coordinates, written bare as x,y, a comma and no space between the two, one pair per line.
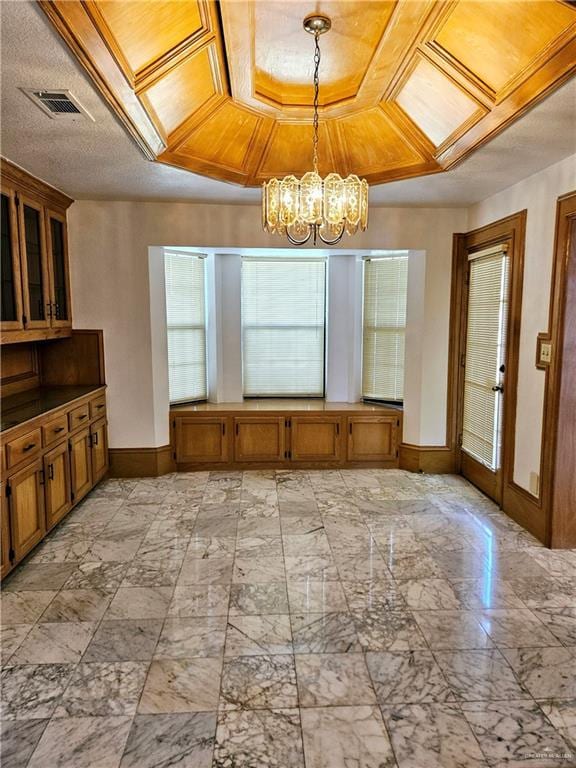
485,354
385,286
283,319
186,322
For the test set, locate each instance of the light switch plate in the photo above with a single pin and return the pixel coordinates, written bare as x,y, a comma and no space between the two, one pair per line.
543,351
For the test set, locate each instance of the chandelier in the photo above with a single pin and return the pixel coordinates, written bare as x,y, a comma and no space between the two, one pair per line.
313,206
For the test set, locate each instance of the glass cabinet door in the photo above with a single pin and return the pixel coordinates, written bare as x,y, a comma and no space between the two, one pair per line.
11,307
34,265
58,264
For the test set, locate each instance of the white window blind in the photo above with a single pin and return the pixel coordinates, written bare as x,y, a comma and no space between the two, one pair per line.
485,354
186,321
283,318
385,286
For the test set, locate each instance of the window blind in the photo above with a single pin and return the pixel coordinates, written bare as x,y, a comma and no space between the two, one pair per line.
385,287
186,322
283,319
485,353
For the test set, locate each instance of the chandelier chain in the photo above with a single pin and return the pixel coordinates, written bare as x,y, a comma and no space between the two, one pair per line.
316,92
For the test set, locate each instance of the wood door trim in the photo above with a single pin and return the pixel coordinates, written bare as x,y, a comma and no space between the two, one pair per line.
560,530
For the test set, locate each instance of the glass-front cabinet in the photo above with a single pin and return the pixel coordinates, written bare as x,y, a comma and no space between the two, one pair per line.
58,268
34,265
11,297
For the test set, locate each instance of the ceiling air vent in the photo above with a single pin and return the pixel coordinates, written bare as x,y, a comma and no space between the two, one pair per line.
59,104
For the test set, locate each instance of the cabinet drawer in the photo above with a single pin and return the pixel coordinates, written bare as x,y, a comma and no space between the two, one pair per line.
78,416
24,447
98,407
54,429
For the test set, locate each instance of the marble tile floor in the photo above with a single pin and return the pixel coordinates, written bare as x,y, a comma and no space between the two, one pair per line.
289,619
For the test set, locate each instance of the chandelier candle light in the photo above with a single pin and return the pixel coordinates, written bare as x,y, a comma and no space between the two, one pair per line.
313,206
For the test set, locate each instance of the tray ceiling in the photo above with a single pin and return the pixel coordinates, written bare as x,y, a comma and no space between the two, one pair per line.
407,88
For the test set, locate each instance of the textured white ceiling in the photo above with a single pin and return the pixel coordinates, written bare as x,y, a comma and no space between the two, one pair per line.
98,160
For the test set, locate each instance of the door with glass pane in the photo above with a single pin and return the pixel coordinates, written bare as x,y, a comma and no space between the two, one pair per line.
35,281
56,240
484,364
10,276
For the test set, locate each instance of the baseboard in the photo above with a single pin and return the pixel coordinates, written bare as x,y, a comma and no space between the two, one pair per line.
526,510
432,459
141,462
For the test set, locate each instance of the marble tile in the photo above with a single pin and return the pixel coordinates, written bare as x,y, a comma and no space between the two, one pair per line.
103,688
263,525
61,551
314,542
200,600
190,638
18,739
202,547
561,622
162,547
256,635
260,547
324,633
429,594
544,592
259,682
128,640
514,733
97,575
254,599
340,737
77,605
250,570
482,675
299,524
145,573
210,571
160,741
332,679
562,714
117,549
307,596
485,593
432,736
82,741
23,607
140,603
387,630
453,630
462,565
412,565
313,567
215,526
548,673
11,637
381,595
407,677
516,628
55,643
367,565
38,577
262,738
32,691
181,685
512,565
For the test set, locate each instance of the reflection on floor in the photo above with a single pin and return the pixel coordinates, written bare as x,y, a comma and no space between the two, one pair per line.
364,619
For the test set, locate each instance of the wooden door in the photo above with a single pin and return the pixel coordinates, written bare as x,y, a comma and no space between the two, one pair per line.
99,450
315,438
58,270
80,464
11,280
5,544
201,439
259,438
26,501
57,484
35,278
372,438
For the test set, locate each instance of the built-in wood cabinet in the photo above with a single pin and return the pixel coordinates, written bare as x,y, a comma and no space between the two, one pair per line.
5,543
316,438
81,463
36,302
26,502
99,449
373,438
201,439
259,438
58,485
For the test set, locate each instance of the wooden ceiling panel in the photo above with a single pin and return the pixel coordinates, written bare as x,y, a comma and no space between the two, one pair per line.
498,41
406,86
434,102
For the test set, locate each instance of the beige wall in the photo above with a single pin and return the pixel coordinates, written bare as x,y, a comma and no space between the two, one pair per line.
109,244
538,194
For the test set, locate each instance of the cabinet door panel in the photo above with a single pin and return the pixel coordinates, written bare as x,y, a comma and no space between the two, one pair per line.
202,439
11,285
56,238
259,438
27,521
372,438
316,438
99,450
58,484
81,464
34,264
5,564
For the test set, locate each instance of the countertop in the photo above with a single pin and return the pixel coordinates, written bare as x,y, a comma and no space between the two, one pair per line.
16,409
308,405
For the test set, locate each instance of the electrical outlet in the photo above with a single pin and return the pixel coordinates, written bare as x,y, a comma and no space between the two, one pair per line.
534,483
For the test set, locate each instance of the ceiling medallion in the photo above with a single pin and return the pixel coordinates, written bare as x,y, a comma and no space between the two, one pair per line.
312,206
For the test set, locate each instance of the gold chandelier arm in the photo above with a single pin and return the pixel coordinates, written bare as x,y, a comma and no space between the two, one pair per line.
300,242
330,242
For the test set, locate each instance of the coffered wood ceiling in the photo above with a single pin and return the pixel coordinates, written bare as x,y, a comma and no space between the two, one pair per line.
407,87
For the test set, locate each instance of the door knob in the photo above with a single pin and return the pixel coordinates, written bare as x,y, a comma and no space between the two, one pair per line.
497,388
